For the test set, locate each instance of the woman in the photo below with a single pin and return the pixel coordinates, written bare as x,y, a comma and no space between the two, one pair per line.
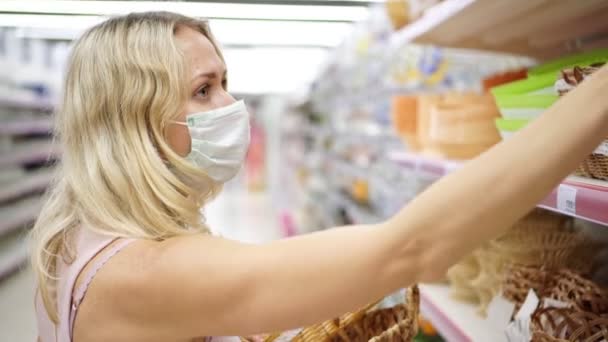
149,134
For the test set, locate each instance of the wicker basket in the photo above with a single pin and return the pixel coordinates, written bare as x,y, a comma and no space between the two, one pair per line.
541,238
399,323
549,240
396,324
595,166
568,324
564,285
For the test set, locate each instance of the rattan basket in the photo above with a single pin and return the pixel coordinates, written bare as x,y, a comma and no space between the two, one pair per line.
542,238
568,325
595,166
395,324
564,285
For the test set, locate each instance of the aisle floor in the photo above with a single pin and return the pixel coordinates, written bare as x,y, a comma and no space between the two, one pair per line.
236,214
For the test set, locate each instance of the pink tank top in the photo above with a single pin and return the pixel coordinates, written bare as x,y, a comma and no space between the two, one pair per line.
88,245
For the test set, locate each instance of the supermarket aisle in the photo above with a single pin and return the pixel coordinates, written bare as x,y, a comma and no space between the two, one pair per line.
240,215
17,322
235,214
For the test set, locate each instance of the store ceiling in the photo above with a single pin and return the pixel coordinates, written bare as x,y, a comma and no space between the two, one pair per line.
288,40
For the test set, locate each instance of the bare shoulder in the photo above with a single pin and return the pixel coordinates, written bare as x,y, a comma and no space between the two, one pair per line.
128,294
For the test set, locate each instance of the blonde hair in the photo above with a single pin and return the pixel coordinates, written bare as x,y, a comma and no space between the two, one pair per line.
118,176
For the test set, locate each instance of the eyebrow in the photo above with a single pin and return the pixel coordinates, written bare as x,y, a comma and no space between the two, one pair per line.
209,75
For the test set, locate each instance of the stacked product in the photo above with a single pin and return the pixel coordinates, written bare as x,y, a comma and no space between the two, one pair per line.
522,101
540,239
451,126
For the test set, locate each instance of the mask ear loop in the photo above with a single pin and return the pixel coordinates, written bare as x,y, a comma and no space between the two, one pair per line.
181,123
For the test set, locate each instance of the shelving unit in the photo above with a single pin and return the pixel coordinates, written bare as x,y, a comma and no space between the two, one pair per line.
25,126
16,216
31,182
29,153
40,105
13,254
588,198
537,28
25,132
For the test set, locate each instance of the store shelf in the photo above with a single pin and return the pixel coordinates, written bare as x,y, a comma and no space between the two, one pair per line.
13,254
581,197
589,202
44,105
356,212
28,153
430,167
455,321
22,127
537,28
16,216
30,182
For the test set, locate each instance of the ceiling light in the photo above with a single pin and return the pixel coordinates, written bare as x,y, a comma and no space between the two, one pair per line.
195,9
228,32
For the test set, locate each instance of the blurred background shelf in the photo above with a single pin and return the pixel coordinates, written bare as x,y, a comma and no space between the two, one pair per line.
41,125
29,153
13,253
537,28
19,215
28,183
43,105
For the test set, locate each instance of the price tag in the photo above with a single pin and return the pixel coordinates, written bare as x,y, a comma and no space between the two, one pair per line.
566,199
602,149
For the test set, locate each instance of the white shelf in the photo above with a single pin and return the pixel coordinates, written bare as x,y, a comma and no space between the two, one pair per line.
538,28
30,182
16,216
432,18
29,104
455,321
13,254
26,153
590,201
41,125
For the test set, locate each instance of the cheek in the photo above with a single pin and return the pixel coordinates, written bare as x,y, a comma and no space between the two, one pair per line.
178,138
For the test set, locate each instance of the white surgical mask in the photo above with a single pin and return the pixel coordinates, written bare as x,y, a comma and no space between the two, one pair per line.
220,139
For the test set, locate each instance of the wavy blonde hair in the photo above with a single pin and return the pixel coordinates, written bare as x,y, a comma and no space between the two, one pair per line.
118,176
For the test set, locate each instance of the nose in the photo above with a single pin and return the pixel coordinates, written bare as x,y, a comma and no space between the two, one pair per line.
227,99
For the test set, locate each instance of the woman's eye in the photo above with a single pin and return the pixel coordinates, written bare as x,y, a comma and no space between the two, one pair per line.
203,91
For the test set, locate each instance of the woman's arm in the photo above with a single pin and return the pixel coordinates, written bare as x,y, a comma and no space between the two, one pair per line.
209,286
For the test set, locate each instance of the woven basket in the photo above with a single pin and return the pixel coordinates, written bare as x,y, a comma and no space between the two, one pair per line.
396,324
399,323
548,240
568,324
585,295
564,285
595,166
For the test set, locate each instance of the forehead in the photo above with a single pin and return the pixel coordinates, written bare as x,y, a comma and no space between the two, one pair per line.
198,50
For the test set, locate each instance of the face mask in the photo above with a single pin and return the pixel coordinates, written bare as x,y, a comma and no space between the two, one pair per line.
220,139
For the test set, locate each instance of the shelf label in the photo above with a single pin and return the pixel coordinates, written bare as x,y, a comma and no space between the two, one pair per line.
602,149
566,199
